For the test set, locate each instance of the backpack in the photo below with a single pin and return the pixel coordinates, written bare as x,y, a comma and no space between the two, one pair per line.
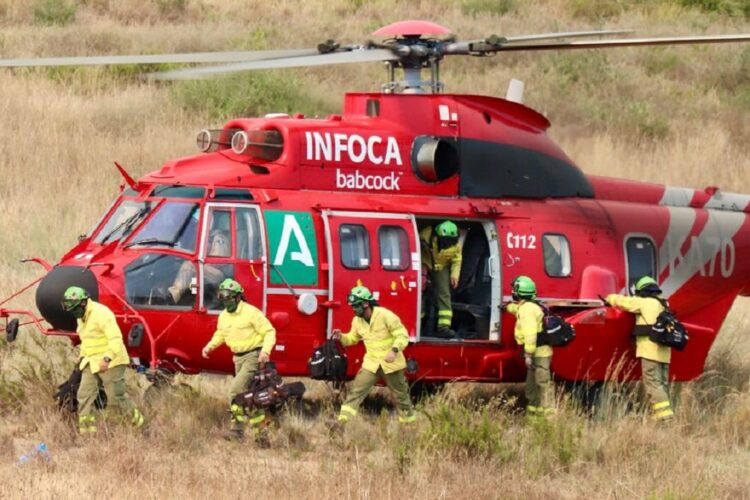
556,332
327,362
267,390
668,331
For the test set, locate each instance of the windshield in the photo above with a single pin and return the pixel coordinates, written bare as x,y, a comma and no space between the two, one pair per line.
124,220
174,225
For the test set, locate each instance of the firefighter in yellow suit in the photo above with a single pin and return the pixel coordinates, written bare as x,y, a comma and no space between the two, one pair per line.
441,253
529,316
654,357
251,338
385,339
104,359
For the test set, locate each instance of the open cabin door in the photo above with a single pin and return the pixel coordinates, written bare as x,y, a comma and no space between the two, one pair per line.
378,251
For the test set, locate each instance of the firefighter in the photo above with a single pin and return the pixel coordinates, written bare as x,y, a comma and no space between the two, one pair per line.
385,339
529,317
250,337
654,357
441,253
103,359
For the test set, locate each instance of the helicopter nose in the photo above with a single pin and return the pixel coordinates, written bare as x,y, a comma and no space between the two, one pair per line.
50,292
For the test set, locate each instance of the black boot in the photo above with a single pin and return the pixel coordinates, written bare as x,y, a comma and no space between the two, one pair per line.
445,333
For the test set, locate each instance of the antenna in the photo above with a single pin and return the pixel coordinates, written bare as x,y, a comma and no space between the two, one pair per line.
515,91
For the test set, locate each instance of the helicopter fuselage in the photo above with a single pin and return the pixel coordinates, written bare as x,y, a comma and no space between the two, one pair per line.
309,208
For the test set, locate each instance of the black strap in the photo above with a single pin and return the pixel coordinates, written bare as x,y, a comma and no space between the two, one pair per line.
664,304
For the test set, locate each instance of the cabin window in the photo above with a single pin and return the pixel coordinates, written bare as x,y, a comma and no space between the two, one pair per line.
394,248
174,225
641,257
249,242
556,249
219,242
161,281
124,220
355,246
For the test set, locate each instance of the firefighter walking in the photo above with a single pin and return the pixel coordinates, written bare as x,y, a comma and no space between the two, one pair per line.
385,339
529,316
654,357
251,338
441,253
104,359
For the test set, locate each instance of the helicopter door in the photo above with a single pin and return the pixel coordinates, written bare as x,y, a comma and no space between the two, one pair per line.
378,251
231,247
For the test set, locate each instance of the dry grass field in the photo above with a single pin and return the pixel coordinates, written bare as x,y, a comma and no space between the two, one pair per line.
676,115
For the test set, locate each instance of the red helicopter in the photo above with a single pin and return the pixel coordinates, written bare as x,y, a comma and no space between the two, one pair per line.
299,210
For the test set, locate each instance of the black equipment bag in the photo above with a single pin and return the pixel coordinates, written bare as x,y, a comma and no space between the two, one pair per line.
328,362
267,390
556,332
67,393
668,331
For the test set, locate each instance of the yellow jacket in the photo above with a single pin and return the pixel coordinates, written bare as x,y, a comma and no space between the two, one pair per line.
646,310
528,324
100,337
243,330
441,258
383,332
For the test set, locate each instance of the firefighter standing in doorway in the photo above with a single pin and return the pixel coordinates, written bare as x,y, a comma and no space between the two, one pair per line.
104,359
654,357
529,316
441,253
385,339
251,338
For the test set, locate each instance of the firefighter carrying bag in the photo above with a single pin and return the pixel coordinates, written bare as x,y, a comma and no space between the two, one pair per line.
556,331
328,362
67,393
668,331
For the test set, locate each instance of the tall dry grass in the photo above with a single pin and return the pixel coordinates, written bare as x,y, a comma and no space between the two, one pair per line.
672,115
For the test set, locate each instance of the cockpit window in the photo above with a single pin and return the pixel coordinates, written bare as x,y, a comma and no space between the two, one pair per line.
174,225
179,191
125,219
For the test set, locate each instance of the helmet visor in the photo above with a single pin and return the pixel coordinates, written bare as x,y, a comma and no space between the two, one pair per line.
70,304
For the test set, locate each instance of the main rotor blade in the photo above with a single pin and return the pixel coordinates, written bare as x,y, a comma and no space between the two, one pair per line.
569,34
353,56
492,43
194,57
627,42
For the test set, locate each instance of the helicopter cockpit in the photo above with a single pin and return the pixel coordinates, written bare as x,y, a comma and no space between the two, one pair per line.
173,232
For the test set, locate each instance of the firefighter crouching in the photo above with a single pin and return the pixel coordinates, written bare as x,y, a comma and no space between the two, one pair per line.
654,357
103,359
251,338
529,315
385,338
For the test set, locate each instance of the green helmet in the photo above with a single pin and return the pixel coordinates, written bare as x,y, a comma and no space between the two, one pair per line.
73,297
229,288
644,282
447,228
524,287
358,295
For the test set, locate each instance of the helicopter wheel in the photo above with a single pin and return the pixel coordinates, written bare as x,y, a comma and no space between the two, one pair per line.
420,389
163,386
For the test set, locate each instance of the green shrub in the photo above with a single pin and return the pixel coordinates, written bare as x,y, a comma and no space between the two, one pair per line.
596,10
727,7
54,12
497,7
245,94
460,432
